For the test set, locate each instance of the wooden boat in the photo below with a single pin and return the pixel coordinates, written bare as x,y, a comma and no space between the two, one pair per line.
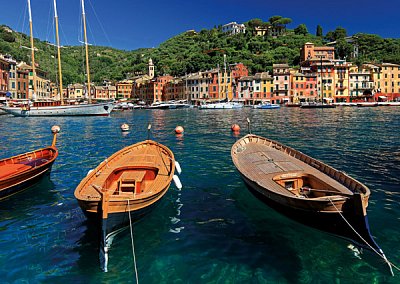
125,187
305,189
20,172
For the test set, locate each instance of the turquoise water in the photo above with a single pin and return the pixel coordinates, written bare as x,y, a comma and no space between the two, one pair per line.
213,230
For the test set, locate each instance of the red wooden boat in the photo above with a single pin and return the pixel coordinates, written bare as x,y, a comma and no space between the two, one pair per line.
20,172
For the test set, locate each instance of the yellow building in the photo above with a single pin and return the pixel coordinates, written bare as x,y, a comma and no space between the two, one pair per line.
390,78
341,80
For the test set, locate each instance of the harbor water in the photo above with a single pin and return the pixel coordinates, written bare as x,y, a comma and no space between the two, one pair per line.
213,230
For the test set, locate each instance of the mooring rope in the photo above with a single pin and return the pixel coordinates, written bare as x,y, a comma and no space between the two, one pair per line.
382,255
133,246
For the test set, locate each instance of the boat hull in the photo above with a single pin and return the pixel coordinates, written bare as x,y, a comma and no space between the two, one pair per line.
103,109
23,182
328,221
228,105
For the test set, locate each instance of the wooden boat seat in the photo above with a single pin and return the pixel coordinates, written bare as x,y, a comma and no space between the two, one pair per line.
10,169
131,181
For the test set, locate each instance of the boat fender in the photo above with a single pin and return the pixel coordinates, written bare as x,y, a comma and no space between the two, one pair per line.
177,182
89,172
178,167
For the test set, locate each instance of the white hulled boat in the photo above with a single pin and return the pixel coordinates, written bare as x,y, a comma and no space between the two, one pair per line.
58,108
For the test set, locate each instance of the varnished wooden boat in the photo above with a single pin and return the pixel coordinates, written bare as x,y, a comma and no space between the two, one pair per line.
305,189
124,187
20,172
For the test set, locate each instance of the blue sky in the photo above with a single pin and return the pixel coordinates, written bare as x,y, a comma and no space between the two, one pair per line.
130,24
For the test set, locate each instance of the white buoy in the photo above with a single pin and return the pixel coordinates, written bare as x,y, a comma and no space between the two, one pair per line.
124,127
178,167
177,182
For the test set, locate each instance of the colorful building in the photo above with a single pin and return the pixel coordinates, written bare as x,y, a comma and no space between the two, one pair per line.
4,76
234,28
341,80
124,89
281,75
312,52
263,89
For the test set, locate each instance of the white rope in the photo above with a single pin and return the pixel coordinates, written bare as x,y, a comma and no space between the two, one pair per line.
382,255
133,246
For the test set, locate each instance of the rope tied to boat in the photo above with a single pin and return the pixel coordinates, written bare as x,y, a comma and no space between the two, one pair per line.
381,254
133,245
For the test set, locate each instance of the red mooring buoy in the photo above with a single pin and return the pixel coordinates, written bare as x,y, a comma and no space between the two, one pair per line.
235,127
179,130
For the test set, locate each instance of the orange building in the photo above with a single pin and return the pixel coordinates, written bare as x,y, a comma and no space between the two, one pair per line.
124,89
312,52
153,90
4,69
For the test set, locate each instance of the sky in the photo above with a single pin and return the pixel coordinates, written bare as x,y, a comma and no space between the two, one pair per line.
130,24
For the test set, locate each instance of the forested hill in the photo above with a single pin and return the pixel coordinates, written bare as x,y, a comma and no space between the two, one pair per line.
194,51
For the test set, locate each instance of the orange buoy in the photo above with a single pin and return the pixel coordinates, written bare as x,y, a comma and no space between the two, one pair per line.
235,127
179,130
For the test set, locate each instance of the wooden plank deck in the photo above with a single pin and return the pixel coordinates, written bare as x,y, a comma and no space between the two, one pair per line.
260,163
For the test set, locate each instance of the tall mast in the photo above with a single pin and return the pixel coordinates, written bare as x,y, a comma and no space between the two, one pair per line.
225,78
58,53
32,49
219,84
87,51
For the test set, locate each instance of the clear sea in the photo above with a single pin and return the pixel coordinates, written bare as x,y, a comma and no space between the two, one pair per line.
213,230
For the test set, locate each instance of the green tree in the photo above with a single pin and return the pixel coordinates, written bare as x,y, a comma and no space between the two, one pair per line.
301,30
319,31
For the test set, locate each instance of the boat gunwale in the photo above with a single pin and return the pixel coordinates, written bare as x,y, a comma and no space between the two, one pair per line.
93,174
53,157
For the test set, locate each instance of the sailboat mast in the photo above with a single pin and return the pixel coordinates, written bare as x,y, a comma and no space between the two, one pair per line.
32,49
58,53
86,49
225,78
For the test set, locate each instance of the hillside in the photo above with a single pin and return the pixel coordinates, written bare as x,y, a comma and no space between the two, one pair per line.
191,52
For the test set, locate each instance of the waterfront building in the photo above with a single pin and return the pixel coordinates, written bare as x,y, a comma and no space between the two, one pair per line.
341,80
234,28
43,90
106,92
124,89
214,85
312,52
176,89
390,80
361,86
12,75
299,91
198,86
246,90
4,76
76,92
325,71
22,83
281,75
263,88
153,90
